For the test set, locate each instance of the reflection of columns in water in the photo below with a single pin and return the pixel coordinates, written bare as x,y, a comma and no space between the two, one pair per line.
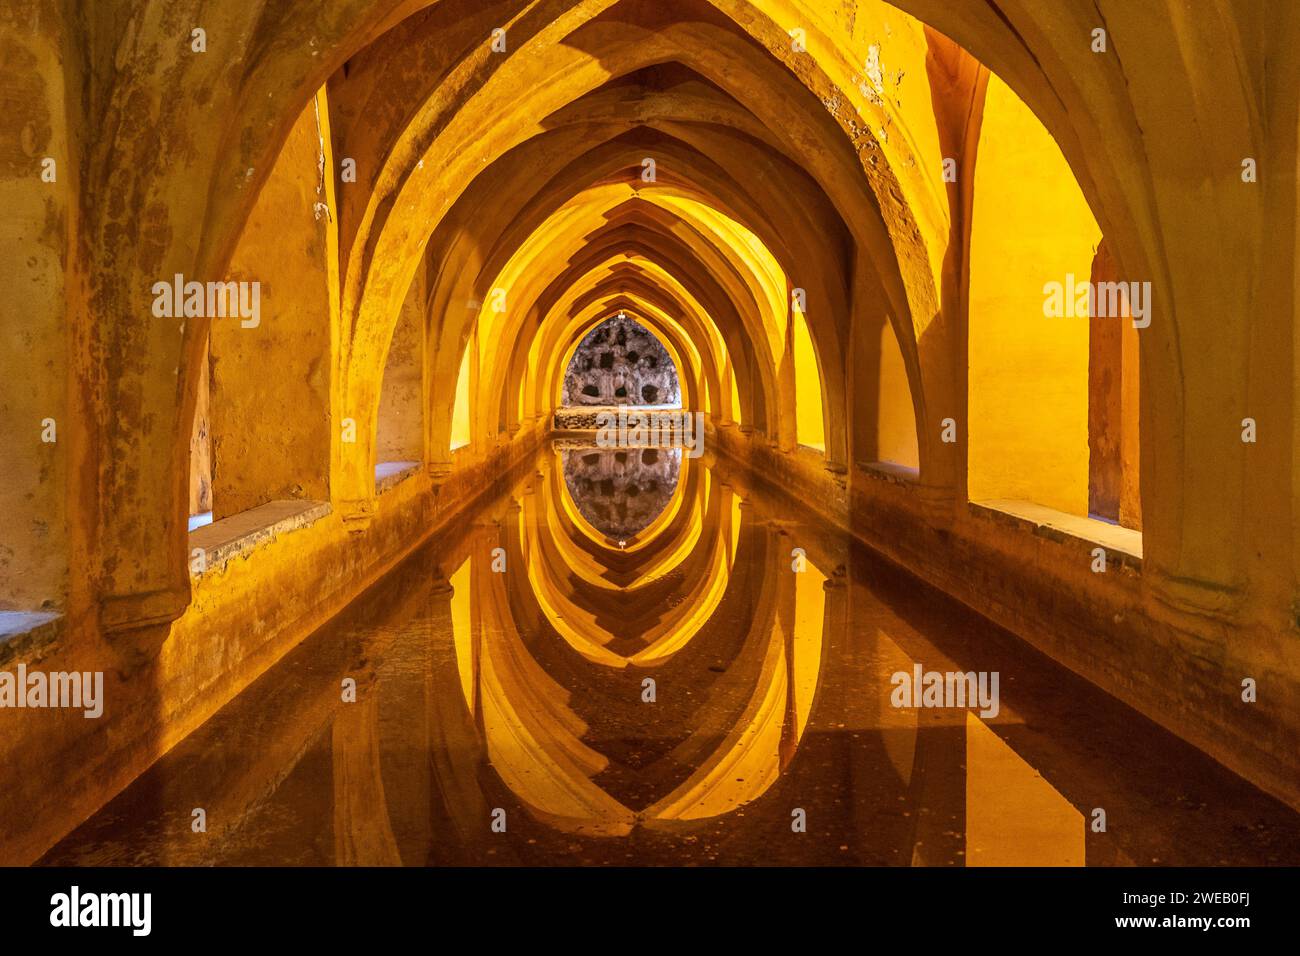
880,757
830,618
406,675
459,809
362,834
363,738
938,790
784,621
407,761
526,613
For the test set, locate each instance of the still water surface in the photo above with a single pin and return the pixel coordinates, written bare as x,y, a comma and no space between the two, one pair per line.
617,662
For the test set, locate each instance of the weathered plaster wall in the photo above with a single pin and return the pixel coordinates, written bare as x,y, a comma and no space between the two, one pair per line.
1113,397
37,233
271,419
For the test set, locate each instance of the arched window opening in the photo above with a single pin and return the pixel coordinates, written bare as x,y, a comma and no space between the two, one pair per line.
884,419
1052,348
810,425
261,436
400,441
460,416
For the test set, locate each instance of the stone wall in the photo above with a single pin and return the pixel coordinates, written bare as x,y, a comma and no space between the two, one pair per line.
619,362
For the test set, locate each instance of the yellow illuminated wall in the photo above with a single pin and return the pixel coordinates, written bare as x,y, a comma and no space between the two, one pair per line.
460,417
1028,386
896,418
808,387
735,395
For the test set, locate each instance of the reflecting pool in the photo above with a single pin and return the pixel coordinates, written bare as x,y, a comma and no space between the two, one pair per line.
620,491
650,659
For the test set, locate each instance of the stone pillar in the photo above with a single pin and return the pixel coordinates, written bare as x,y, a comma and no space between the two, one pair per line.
1112,406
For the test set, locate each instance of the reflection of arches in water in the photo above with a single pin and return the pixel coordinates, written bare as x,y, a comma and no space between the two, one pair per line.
407,760
542,748
621,491
763,742
680,564
596,559
958,768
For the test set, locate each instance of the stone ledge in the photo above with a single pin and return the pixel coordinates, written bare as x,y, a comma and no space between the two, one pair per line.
245,532
22,632
583,417
1059,526
890,471
389,474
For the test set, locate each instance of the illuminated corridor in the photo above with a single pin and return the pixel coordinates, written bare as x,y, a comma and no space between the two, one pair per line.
650,432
